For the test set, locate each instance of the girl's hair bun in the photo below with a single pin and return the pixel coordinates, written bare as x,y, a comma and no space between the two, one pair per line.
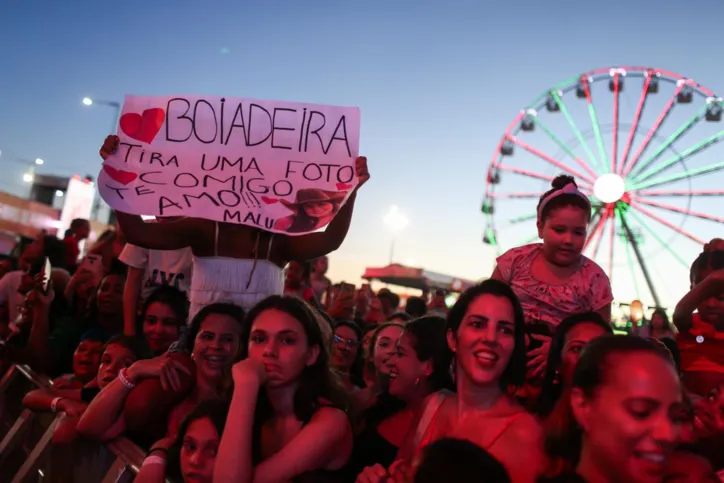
563,180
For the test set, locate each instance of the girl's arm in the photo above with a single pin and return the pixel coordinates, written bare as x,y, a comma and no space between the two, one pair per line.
42,399
233,459
711,286
66,401
315,245
159,236
103,420
326,437
153,469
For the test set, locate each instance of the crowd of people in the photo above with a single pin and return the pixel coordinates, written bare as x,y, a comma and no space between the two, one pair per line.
226,352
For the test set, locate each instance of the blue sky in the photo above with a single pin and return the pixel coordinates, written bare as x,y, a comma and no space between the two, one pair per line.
437,84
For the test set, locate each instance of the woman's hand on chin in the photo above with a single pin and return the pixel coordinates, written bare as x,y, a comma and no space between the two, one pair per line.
249,371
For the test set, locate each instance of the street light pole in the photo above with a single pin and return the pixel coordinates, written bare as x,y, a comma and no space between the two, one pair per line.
87,101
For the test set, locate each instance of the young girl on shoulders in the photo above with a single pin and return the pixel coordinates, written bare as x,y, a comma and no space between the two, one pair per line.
553,279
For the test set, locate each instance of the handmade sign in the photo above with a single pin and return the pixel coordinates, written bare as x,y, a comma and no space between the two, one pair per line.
280,166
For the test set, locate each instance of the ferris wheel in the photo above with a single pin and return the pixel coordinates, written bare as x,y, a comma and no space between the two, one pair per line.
643,144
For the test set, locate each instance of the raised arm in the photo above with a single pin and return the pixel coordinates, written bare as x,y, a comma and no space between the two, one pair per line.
315,245
234,462
171,235
711,286
166,236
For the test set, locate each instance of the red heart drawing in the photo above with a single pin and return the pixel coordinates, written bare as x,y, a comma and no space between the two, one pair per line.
269,201
123,177
343,186
143,127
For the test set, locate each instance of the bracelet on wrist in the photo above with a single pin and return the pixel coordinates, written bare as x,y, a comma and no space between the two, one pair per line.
157,449
54,404
154,460
123,377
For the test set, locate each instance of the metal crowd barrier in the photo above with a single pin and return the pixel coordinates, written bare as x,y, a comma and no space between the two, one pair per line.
28,455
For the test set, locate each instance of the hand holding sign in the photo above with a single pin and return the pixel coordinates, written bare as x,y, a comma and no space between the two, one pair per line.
110,146
361,171
278,166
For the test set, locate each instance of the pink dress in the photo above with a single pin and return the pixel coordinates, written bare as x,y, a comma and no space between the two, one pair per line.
588,290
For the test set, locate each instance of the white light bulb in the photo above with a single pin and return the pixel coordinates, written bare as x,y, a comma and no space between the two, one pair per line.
609,188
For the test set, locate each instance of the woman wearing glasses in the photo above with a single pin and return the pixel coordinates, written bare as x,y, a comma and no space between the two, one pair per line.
346,354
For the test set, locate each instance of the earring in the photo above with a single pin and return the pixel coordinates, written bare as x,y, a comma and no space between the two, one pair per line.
557,377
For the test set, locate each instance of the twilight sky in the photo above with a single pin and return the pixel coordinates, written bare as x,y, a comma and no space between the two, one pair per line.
437,84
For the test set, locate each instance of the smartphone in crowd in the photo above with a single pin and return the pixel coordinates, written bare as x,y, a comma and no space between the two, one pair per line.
47,269
42,266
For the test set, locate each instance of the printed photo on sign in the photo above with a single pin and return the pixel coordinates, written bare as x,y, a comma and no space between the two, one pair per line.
280,166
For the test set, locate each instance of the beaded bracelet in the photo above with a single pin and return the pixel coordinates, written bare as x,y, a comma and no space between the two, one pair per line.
124,379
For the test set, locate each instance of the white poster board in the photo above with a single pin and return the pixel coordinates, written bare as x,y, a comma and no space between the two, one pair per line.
280,166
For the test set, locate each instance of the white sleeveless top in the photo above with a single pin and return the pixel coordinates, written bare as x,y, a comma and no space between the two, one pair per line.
239,281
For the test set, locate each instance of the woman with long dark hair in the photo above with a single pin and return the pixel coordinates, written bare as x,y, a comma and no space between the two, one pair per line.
420,367
485,331
287,416
569,339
